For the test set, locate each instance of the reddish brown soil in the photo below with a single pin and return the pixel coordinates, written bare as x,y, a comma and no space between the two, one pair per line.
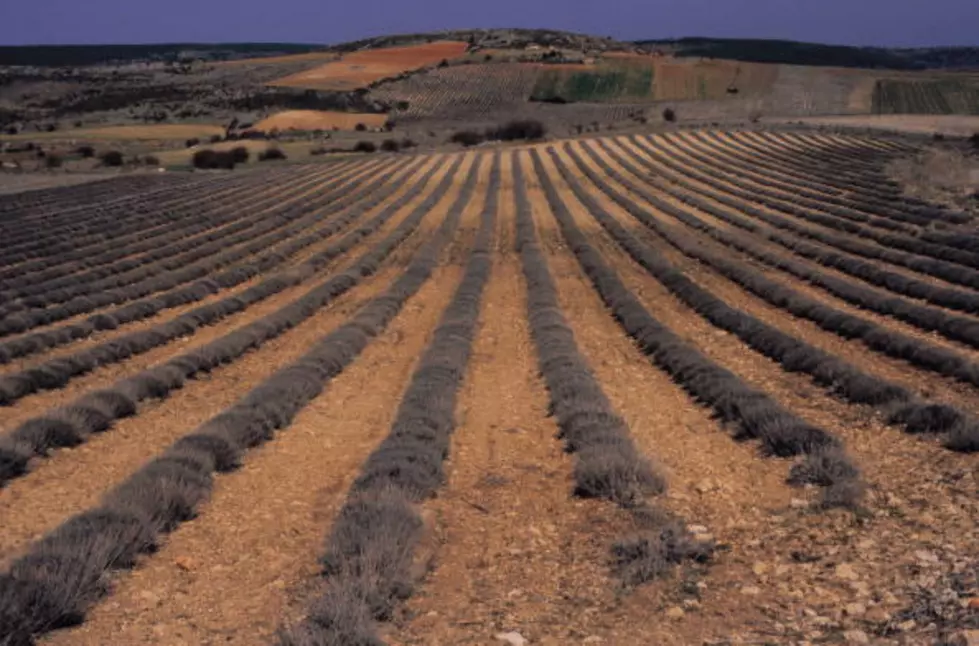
359,69
515,550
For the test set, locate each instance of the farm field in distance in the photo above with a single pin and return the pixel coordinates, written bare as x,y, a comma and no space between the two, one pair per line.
697,386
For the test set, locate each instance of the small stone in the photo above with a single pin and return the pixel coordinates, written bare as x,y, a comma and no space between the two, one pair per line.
798,503
855,609
149,598
691,604
706,485
846,572
675,613
925,556
512,638
906,626
856,637
877,615
759,569
750,590
965,638
594,639
185,563
696,529
973,603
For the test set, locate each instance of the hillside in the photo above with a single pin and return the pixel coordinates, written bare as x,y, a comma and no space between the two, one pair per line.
799,53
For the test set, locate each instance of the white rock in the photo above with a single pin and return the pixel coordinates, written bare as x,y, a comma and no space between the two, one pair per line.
856,637
750,590
512,638
846,571
675,613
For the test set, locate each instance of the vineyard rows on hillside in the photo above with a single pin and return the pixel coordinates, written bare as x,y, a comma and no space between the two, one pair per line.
643,389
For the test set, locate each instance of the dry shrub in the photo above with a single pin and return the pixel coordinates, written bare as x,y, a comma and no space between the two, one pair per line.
270,154
208,158
938,175
111,158
660,543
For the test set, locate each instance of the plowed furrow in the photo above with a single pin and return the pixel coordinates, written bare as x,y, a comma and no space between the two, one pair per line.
31,438
294,251
716,223
327,358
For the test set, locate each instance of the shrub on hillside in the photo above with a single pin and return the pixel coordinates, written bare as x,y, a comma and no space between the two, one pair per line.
360,127
974,140
193,141
467,138
669,115
271,154
527,129
408,143
151,160
208,158
215,139
365,147
390,146
111,158
240,154
53,161
87,152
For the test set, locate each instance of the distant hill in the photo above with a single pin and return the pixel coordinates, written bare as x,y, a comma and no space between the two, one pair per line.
79,55
740,49
799,53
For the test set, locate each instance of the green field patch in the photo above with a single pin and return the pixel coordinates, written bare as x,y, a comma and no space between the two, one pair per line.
612,82
944,96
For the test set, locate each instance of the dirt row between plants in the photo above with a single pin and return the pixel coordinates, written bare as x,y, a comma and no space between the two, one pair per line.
65,483
171,313
918,523
249,563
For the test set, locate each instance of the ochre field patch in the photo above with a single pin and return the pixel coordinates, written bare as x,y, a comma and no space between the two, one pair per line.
363,68
319,120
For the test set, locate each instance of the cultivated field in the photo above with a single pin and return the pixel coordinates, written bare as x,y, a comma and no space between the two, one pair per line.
704,387
360,69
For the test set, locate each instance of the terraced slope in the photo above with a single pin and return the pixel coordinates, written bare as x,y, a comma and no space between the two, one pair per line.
673,389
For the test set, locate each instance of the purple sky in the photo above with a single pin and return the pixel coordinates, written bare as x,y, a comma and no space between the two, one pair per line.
858,22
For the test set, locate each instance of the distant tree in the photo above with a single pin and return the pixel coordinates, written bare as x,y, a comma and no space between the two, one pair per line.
87,152
271,154
390,146
209,159
111,158
518,129
53,161
408,143
193,141
360,127
151,160
240,154
974,140
467,138
365,147
669,115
